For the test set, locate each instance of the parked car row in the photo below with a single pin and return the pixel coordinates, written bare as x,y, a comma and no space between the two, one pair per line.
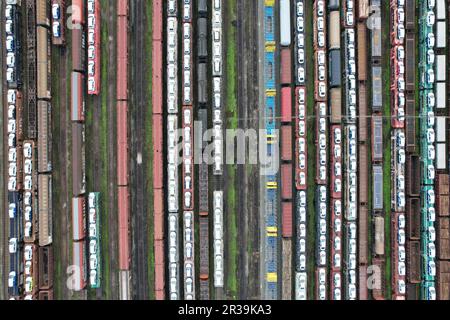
301,246
93,67
398,178
300,50
350,145
12,45
189,261
173,249
187,64
218,239
217,62
173,152
29,264
172,65
322,202
13,159
58,22
217,58
350,73
427,142
336,235
14,244
320,48
400,251
29,171
173,161
94,240
301,139
349,13
188,159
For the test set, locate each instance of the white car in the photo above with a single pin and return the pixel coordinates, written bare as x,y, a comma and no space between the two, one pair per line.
27,150
430,18
93,246
12,245
93,262
28,284
56,29
28,252
12,210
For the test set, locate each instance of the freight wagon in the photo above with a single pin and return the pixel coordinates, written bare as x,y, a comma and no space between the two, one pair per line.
78,160
43,55
79,262
77,97
376,89
377,139
45,267
202,38
336,105
286,67
363,114
44,139
45,212
78,218
122,56
334,36
122,143
362,49
285,23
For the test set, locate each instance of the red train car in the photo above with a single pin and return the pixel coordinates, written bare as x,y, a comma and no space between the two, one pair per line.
158,172
286,143
124,220
77,97
78,218
159,270
158,157
286,67
300,139
286,219
286,181
286,105
78,12
78,50
122,58
122,143
157,84
122,8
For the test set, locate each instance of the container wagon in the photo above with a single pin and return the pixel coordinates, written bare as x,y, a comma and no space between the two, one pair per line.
285,23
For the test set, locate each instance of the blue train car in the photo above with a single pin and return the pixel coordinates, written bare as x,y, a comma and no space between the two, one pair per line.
269,71
269,24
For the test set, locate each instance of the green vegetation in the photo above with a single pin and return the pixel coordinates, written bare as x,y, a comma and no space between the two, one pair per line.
149,149
387,147
58,283
231,113
311,124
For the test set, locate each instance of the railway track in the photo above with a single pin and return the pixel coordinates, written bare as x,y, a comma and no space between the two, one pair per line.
247,179
138,168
